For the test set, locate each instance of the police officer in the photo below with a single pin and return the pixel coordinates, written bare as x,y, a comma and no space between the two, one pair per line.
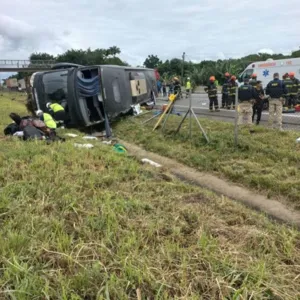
212,92
225,90
295,89
188,87
246,95
276,89
58,113
288,84
259,102
231,92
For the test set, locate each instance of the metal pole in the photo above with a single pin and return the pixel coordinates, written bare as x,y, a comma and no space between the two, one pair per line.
190,109
236,131
182,68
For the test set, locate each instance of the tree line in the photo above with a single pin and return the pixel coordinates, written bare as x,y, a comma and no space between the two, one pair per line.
198,72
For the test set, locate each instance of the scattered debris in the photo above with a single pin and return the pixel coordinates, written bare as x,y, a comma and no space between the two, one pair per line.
71,135
89,137
298,140
136,109
151,162
106,142
119,148
87,146
19,134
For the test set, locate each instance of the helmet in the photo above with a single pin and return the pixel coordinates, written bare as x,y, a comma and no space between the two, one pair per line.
292,74
253,75
227,74
39,112
212,78
48,104
188,78
176,79
233,77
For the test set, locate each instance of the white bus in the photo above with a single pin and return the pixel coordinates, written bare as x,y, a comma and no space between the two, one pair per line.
265,69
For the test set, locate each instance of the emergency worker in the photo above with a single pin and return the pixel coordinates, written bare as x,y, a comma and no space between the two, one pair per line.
276,89
225,90
212,92
231,92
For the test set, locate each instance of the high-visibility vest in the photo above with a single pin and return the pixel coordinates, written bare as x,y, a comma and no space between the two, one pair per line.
188,85
56,107
48,120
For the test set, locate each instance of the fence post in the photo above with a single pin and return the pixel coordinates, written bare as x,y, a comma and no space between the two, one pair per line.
236,131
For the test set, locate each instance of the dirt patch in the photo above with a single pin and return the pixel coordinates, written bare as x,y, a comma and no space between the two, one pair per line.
271,207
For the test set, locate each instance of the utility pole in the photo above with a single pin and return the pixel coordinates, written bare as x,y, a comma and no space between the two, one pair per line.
182,67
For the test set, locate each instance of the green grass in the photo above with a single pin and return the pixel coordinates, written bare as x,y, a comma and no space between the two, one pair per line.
93,224
267,161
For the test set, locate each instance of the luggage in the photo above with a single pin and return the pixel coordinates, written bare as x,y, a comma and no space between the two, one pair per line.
32,133
11,129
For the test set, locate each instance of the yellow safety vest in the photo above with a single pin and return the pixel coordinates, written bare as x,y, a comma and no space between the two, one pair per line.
56,107
188,85
48,120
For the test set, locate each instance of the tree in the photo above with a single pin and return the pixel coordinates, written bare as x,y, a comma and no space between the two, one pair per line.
152,62
41,56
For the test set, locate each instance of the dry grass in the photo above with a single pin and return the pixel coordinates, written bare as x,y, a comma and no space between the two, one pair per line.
267,161
93,224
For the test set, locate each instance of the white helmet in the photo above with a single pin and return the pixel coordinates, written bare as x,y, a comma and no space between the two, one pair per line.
48,104
188,78
39,112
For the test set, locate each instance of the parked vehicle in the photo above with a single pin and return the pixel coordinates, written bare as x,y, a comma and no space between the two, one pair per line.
12,83
91,93
265,69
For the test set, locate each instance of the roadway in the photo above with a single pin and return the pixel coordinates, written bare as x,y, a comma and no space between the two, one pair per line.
200,105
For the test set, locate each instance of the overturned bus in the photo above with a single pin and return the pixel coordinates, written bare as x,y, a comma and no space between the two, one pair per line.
92,93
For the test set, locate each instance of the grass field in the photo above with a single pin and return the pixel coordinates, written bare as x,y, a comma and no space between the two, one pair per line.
267,161
93,224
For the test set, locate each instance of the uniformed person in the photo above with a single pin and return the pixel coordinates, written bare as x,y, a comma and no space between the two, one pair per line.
276,89
177,87
295,89
253,80
225,90
188,87
246,96
212,92
258,102
47,119
231,92
58,113
288,84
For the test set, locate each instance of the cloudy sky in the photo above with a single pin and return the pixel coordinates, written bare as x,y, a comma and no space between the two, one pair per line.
203,29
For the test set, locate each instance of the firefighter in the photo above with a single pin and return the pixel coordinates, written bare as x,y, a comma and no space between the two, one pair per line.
225,90
247,96
231,92
295,89
212,92
58,113
289,85
188,87
253,80
177,87
259,102
276,89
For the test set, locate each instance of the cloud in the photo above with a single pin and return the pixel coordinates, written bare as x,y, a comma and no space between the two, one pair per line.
267,51
203,29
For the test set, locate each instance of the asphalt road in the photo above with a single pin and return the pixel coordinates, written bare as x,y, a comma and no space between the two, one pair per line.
200,104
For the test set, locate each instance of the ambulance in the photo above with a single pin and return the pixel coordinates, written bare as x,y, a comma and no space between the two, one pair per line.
265,69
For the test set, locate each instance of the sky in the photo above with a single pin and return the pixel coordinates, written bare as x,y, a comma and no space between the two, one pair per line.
202,29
